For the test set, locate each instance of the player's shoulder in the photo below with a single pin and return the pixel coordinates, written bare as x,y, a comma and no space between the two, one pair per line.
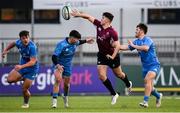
112,30
18,42
32,44
96,21
62,42
148,38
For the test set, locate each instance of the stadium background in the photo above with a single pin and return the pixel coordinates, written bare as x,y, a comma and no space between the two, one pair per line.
43,19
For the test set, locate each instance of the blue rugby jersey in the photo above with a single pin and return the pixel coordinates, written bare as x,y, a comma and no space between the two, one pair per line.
148,58
26,53
65,52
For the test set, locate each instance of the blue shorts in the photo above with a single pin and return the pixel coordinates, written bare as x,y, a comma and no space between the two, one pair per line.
28,74
66,73
154,68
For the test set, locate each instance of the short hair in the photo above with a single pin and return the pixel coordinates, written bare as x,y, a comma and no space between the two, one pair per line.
108,15
75,34
23,33
143,27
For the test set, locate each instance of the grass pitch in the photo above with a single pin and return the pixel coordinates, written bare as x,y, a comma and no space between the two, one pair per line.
89,104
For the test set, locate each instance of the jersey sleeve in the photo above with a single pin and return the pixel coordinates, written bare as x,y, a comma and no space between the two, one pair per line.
97,22
58,49
33,52
114,36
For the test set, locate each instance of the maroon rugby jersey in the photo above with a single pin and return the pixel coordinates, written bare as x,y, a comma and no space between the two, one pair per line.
105,37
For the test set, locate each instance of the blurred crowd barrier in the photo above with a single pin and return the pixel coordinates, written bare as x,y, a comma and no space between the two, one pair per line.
168,51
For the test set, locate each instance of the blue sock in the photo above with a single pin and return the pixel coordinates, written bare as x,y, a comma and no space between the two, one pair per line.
55,95
155,93
146,98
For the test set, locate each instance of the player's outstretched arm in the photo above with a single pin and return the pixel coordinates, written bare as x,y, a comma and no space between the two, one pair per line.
76,13
6,50
118,49
88,40
124,48
142,48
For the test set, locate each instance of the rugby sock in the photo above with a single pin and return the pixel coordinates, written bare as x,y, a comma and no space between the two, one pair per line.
26,95
146,98
66,90
55,95
155,93
108,85
26,100
126,81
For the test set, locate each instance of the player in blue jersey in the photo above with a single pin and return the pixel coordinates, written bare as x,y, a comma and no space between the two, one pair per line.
62,61
28,67
150,63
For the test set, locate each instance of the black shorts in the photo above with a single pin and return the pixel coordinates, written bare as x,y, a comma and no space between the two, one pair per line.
103,60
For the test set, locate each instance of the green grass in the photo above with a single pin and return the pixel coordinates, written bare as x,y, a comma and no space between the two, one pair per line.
89,104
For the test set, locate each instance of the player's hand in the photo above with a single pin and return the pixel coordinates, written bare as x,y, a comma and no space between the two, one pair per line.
130,43
109,57
75,13
18,67
60,68
4,53
89,40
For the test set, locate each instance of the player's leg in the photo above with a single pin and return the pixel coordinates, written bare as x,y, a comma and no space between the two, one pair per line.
26,94
157,95
120,74
66,90
58,79
28,78
154,92
14,76
148,84
115,66
148,87
102,71
102,63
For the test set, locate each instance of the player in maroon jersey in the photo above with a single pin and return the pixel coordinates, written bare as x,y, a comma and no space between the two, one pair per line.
108,44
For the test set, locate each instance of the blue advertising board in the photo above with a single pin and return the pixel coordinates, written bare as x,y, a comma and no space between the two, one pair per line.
84,79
